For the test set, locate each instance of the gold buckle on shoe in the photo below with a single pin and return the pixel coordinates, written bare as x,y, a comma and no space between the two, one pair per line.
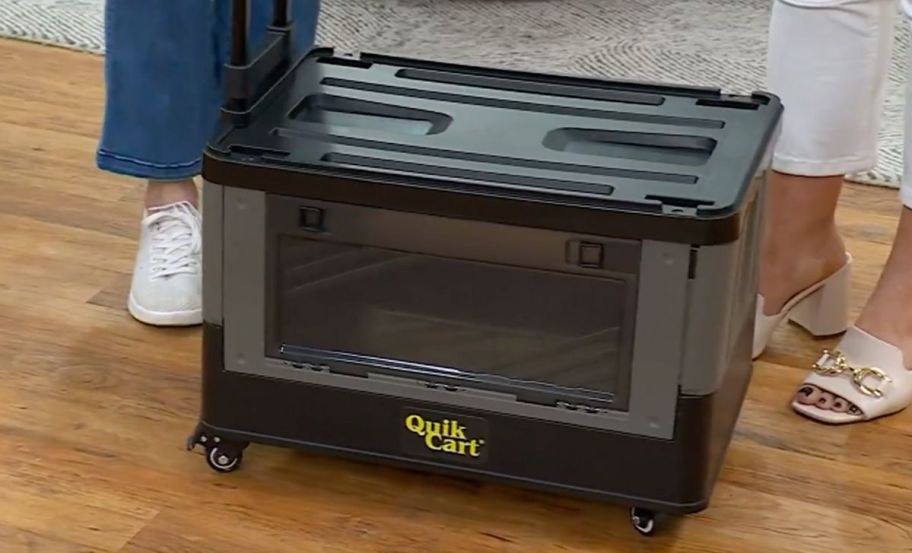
840,365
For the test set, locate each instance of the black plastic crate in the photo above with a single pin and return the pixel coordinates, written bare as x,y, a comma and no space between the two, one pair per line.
536,279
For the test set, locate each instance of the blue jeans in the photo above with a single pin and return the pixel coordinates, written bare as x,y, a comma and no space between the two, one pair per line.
163,71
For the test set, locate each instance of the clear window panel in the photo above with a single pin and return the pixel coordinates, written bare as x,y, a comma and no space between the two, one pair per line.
523,324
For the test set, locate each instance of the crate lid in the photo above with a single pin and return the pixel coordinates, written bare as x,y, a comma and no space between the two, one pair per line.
689,154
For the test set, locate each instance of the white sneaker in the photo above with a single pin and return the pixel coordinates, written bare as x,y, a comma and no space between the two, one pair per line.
167,278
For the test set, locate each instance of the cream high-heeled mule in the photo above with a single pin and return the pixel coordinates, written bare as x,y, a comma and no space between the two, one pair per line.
865,371
822,309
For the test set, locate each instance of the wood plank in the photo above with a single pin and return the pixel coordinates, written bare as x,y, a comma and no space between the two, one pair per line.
16,540
59,518
114,294
49,205
74,245
25,153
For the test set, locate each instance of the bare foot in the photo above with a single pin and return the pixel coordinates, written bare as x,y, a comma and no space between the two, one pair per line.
801,244
887,315
162,193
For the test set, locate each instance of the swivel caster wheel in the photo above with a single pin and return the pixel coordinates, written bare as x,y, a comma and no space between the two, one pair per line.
221,455
644,521
224,459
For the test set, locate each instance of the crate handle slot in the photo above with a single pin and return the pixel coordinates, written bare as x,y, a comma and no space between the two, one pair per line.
681,150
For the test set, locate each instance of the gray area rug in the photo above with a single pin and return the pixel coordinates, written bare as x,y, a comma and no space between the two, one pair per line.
706,42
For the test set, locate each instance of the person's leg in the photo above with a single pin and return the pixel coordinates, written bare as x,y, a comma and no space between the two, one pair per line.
882,337
832,130
160,81
888,312
828,62
163,68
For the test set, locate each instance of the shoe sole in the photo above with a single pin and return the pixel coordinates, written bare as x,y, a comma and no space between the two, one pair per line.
191,317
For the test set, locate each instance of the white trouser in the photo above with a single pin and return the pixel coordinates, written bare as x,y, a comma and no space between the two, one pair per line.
828,61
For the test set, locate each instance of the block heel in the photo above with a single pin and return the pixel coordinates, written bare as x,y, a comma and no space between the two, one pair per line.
825,312
822,309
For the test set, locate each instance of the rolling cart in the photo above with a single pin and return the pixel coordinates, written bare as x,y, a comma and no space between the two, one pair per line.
542,280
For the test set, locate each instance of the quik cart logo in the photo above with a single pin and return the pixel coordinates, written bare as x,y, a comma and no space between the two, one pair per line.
444,436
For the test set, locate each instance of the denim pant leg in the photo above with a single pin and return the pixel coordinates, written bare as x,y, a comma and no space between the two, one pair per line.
163,71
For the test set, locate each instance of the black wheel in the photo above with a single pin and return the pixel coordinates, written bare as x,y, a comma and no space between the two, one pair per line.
223,459
644,521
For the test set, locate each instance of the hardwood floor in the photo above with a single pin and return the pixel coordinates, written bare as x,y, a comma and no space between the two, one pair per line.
94,408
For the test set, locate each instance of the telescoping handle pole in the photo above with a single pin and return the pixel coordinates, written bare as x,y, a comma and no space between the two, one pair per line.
282,14
241,27
240,32
249,74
